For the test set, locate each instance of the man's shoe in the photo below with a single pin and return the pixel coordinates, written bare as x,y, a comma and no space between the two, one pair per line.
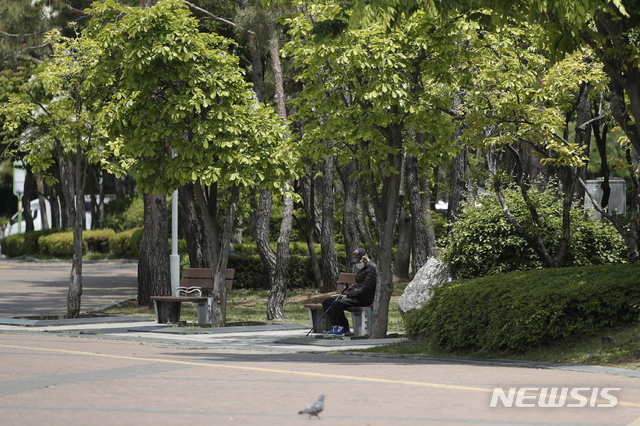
340,331
333,330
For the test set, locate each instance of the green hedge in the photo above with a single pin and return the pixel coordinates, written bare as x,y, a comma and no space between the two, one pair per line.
484,242
120,244
251,273
520,310
23,244
98,240
60,244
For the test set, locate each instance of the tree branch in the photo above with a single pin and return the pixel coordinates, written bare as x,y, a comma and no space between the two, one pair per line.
217,18
78,11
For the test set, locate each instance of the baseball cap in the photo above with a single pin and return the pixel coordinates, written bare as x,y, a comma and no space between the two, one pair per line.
357,255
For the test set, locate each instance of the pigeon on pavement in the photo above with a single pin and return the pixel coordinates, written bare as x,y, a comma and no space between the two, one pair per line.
314,408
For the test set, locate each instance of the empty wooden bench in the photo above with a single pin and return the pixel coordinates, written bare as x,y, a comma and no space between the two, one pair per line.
195,287
361,317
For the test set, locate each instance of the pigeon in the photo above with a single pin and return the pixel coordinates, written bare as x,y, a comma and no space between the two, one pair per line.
314,408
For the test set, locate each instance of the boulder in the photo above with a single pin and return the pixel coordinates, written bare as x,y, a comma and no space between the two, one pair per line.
433,274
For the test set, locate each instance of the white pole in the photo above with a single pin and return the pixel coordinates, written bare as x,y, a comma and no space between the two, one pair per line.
174,259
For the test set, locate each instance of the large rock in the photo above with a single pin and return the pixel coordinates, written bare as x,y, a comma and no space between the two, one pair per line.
433,274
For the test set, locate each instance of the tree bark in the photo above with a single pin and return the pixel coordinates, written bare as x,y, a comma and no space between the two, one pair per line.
421,244
349,211
312,233
29,184
403,248
386,210
583,132
280,276
41,200
330,266
196,243
74,178
278,293
154,276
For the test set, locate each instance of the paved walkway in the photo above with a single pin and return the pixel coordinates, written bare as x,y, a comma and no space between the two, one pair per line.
132,373
31,288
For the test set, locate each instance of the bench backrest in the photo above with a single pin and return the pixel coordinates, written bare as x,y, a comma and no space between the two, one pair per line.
201,277
345,278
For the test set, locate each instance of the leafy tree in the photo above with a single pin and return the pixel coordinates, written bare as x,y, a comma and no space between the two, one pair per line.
370,91
180,111
61,122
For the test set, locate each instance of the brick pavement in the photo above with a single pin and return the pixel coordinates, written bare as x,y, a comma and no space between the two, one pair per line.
40,288
87,375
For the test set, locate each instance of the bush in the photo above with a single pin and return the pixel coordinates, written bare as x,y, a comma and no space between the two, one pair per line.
59,245
24,244
120,244
251,273
125,213
484,242
136,240
521,310
98,240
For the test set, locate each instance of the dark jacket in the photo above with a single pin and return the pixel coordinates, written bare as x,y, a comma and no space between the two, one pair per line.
364,289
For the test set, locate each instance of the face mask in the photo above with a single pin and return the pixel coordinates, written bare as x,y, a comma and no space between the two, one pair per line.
360,265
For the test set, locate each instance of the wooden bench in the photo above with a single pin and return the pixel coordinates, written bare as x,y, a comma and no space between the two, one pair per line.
194,281
316,311
199,279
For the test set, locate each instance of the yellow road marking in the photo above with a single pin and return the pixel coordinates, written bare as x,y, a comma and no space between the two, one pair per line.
295,373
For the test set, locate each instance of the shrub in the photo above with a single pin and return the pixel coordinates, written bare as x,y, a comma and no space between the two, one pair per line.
59,245
251,273
520,310
484,242
98,240
120,244
24,244
125,213
136,240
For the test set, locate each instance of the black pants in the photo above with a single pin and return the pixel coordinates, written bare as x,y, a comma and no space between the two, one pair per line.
336,313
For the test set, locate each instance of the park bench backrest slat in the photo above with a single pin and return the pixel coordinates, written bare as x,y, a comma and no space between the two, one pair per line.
201,277
345,278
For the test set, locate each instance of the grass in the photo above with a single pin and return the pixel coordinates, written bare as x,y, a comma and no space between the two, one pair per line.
251,305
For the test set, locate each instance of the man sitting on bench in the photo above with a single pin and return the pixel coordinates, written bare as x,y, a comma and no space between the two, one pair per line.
360,294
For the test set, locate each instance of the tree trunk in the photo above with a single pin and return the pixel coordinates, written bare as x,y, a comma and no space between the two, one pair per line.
307,190
196,243
432,244
54,203
280,276
386,207
421,243
583,132
29,184
43,205
278,293
403,249
458,185
459,173
154,276
219,259
258,72
330,266
349,211
74,176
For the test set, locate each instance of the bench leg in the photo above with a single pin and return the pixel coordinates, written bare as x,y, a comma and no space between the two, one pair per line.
324,325
362,322
203,310
167,311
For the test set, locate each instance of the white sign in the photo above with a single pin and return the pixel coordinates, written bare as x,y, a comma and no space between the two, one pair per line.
19,176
